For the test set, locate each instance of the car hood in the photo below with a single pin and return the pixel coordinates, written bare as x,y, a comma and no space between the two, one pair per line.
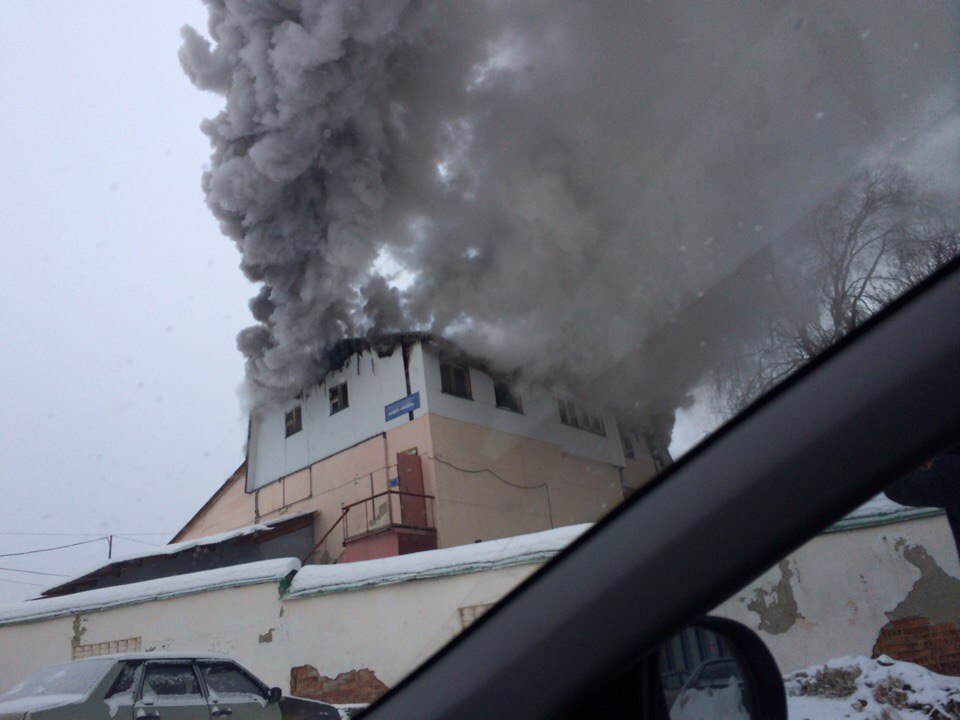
295,708
17,707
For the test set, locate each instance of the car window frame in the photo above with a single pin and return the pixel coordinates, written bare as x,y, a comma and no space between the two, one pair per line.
563,630
198,665
170,661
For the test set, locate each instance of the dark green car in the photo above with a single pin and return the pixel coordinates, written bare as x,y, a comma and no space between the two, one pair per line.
153,686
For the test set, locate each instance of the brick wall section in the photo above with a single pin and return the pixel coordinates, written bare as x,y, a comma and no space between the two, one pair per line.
917,640
353,686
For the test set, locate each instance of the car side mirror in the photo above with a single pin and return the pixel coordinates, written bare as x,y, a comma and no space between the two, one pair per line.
719,668
714,668
274,695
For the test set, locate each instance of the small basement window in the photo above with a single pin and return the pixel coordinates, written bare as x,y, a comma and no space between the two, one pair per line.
455,380
575,415
339,400
506,398
293,421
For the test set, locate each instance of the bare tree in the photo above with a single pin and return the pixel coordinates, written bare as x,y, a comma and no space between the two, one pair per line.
862,247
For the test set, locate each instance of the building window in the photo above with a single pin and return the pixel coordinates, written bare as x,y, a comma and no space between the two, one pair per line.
338,398
455,380
574,415
293,421
506,398
628,451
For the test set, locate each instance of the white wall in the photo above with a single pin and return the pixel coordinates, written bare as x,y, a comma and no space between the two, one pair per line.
844,584
540,419
372,383
229,621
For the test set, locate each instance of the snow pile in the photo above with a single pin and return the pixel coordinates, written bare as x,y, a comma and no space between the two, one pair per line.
880,689
104,598
350,710
710,704
490,555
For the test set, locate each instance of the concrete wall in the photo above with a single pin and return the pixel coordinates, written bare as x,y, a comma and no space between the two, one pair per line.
231,507
835,596
492,484
231,621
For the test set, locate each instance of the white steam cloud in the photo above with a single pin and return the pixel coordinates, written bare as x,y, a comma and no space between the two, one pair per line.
558,182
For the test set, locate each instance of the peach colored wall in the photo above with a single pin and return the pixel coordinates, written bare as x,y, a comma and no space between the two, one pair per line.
231,510
533,485
345,478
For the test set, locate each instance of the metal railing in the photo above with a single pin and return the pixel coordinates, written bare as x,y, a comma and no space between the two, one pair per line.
385,510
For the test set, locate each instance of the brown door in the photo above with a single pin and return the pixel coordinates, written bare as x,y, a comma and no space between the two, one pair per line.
413,507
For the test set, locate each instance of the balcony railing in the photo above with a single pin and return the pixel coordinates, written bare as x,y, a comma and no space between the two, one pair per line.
387,510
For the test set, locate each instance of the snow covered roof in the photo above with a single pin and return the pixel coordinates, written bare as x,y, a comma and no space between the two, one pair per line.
175,548
880,510
489,555
255,573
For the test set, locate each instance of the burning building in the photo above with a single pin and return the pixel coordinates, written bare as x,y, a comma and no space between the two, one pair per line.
408,444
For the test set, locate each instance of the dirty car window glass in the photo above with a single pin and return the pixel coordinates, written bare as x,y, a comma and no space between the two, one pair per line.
547,247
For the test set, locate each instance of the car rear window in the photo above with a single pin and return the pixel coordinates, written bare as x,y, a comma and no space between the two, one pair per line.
76,678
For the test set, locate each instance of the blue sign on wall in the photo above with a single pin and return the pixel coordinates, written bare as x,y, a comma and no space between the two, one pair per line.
401,407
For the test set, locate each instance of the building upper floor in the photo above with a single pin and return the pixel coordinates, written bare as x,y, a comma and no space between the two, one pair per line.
374,389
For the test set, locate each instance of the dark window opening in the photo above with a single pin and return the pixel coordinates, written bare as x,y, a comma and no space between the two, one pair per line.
293,421
575,415
628,451
506,398
455,380
339,400
124,682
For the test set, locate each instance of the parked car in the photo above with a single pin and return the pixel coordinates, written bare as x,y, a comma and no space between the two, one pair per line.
153,686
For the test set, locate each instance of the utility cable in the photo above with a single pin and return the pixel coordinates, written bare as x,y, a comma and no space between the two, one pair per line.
134,540
546,488
77,534
58,547
32,572
21,582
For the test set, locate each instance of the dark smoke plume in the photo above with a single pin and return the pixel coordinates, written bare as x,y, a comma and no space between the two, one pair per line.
591,192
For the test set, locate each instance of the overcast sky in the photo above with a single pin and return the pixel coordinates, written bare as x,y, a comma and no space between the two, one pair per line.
120,299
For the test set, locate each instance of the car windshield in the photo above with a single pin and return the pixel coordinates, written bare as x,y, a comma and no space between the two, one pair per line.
68,679
310,305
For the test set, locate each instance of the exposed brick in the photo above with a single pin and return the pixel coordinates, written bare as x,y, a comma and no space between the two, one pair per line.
353,686
917,640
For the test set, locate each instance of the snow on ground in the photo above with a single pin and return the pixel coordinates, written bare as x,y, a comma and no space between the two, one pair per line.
863,689
103,598
532,548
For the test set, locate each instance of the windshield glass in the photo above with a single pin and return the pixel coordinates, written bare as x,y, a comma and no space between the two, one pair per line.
68,679
313,300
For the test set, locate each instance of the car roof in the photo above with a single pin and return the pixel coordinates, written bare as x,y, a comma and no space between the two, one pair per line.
162,655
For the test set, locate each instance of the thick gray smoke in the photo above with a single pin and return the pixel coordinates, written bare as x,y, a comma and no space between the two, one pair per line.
590,192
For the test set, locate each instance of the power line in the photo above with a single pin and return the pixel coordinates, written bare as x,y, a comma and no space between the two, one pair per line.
77,534
33,572
142,542
58,547
21,582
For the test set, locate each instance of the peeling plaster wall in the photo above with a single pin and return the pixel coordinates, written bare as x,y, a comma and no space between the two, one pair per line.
229,621
388,629
834,595
830,598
